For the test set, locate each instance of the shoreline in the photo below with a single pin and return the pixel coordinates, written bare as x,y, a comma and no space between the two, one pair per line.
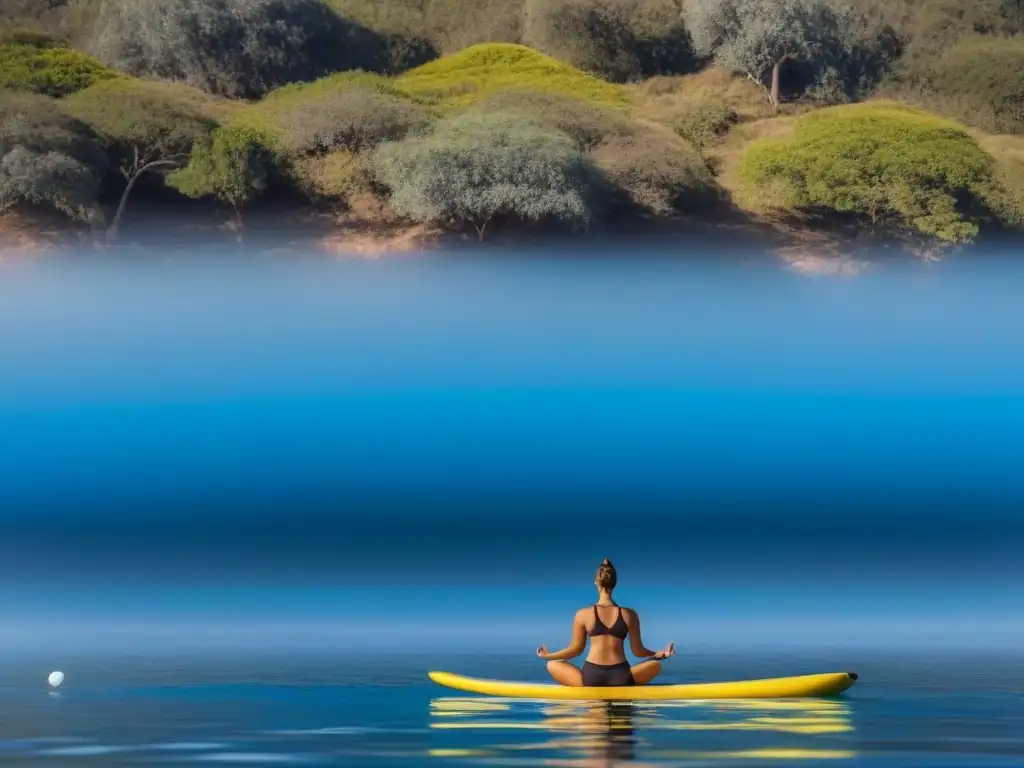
839,249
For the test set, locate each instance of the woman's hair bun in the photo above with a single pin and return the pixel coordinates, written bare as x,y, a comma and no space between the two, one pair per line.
606,576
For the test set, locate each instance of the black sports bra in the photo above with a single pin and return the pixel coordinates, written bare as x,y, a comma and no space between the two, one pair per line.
618,629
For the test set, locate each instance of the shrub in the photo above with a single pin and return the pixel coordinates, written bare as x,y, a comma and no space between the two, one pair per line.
702,123
465,77
50,178
447,26
979,80
25,36
476,167
704,96
47,157
882,161
1008,200
288,97
656,172
52,18
355,119
584,123
592,36
48,70
38,123
231,47
620,40
234,166
149,128
338,175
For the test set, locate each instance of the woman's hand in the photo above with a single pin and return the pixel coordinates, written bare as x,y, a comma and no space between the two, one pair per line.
542,652
668,650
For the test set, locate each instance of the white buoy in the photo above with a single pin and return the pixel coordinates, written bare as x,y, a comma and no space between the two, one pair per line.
56,678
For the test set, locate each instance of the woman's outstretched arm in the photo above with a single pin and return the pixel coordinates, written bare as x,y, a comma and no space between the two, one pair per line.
575,648
636,642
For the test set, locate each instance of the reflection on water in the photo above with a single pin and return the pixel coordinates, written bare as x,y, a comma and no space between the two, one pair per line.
640,733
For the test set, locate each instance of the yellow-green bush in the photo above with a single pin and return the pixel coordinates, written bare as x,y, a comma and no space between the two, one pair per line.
49,70
467,76
886,162
177,96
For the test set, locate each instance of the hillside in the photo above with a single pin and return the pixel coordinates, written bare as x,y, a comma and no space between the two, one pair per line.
599,128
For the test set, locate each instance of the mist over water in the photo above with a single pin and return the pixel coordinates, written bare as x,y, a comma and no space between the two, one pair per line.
207,453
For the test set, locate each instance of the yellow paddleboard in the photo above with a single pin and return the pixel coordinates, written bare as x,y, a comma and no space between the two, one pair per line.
829,684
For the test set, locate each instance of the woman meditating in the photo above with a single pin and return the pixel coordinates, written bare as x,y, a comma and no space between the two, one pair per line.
607,624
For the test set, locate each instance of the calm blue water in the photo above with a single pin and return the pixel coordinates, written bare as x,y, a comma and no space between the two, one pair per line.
907,710
246,505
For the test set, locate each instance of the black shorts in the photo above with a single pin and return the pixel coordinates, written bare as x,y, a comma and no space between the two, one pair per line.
605,675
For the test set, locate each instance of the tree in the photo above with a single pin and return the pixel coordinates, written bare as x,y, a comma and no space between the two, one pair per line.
476,167
148,130
231,47
757,37
232,166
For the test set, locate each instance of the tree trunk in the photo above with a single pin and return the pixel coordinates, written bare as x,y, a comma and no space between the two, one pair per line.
773,94
480,230
239,224
133,175
115,225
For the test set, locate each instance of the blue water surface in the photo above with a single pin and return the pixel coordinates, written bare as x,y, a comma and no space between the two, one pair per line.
906,710
246,505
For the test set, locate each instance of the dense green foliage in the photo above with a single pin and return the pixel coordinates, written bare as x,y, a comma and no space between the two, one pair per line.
463,78
885,162
475,167
47,69
233,166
